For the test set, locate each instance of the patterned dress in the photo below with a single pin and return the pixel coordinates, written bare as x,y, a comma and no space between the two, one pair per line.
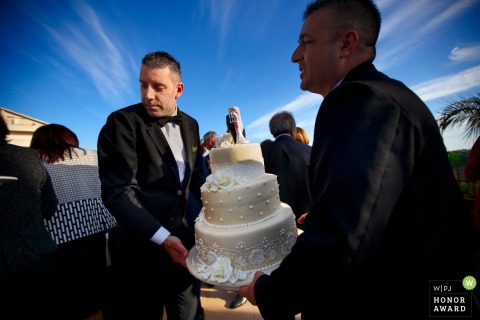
80,211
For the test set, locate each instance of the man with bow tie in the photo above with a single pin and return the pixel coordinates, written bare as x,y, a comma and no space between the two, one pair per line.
150,161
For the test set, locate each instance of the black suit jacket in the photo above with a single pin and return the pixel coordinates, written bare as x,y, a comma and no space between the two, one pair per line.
289,160
387,214
139,176
24,204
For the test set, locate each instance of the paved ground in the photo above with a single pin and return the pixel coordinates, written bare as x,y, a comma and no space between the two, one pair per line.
215,302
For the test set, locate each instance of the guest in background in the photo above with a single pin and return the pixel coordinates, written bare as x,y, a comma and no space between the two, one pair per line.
264,143
388,216
472,173
289,160
80,223
26,272
150,160
302,136
210,140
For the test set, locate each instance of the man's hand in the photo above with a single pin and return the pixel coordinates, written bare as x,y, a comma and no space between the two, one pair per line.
176,250
248,291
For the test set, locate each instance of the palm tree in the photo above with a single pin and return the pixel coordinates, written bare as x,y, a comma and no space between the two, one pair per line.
465,111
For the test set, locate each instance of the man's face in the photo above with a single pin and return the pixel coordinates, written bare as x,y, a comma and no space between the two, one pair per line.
317,54
159,91
209,143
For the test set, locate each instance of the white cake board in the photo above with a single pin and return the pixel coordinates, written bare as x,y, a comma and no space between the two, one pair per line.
192,263
7,179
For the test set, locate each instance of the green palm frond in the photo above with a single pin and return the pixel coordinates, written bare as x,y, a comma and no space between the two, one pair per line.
465,111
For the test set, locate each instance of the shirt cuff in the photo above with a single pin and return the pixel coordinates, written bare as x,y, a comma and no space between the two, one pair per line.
160,236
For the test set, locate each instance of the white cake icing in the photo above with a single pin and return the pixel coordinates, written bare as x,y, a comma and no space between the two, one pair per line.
242,204
243,226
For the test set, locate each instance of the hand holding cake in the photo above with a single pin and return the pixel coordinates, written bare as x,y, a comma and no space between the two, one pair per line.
176,250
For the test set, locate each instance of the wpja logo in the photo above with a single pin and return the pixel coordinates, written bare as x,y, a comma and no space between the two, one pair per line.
452,298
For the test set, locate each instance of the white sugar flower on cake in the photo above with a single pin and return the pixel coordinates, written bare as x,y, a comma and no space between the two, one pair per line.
225,140
221,180
221,271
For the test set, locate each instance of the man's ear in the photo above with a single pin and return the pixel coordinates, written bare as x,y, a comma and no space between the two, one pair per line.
349,43
180,88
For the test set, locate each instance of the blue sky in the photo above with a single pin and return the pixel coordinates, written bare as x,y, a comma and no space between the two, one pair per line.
74,62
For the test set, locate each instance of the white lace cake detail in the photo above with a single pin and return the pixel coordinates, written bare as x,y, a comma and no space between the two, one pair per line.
218,264
225,176
201,219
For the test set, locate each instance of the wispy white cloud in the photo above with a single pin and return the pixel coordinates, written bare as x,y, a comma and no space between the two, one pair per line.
246,21
220,13
406,24
398,39
447,85
465,54
455,9
384,4
92,49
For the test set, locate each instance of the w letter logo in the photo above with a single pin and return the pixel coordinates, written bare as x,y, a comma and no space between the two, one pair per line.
469,282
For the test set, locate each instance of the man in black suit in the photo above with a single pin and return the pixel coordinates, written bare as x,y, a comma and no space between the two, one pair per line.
150,160
387,216
288,159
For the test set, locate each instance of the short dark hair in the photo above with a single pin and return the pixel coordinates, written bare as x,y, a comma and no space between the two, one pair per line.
361,15
162,59
210,134
282,122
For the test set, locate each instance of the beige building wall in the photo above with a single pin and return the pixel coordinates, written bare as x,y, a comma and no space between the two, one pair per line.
21,126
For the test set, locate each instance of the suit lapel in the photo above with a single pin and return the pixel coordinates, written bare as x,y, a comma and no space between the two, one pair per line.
187,138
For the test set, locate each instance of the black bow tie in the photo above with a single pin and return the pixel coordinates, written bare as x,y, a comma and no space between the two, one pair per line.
162,121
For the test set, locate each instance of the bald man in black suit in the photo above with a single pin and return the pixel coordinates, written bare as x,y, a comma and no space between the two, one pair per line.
289,160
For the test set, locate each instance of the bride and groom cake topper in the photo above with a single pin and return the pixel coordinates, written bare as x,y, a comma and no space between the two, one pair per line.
235,124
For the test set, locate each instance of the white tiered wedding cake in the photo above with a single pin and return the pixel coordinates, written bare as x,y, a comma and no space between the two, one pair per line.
243,226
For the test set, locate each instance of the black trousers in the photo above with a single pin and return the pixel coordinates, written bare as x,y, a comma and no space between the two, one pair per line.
143,281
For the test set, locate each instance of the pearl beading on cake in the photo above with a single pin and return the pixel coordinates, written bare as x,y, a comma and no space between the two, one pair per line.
238,204
201,219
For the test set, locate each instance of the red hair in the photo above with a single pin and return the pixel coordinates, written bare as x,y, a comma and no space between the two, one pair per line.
53,142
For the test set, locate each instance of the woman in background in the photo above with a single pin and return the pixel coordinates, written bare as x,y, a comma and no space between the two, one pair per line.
25,244
79,225
302,136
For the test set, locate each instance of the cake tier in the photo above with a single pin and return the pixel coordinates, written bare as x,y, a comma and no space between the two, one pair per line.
243,160
235,254
241,204
236,153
